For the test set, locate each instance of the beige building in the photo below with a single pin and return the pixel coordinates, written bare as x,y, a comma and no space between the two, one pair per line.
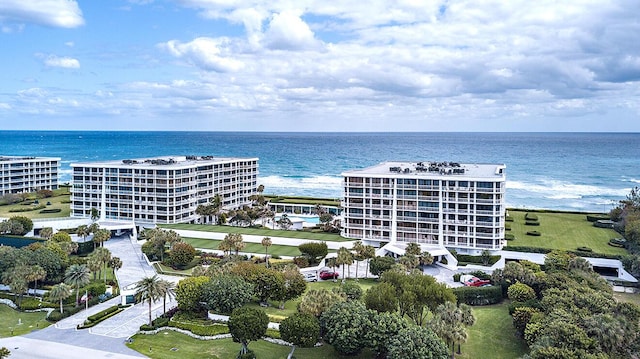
161,190
28,174
438,205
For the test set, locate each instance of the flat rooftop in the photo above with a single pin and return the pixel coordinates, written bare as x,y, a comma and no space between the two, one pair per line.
164,161
27,158
431,169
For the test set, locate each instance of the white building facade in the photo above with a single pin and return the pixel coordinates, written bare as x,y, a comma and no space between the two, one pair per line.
163,189
437,205
20,174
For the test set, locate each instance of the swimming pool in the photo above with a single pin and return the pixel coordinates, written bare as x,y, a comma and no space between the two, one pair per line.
308,219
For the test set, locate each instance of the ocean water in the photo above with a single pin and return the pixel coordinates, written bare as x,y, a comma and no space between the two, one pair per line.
569,171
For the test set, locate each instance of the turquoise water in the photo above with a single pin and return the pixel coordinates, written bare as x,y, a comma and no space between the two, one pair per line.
308,219
571,171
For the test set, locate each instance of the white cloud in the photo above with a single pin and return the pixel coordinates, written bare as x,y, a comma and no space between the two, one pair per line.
62,62
55,13
209,54
288,32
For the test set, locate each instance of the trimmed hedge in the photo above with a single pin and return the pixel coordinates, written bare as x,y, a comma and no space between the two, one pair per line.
478,295
530,217
617,242
465,258
591,218
509,236
35,208
201,329
93,318
584,249
508,219
534,233
527,249
531,223
51,210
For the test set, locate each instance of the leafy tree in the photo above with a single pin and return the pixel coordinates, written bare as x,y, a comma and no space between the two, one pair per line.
381,298
314,251
350,290
284,222
269,284
60,292
149,289
294,285
61,236
77,275
16,278
26,222
247,324
94,213
416,343
521,317
317,301
345,326
52,263
301,330
266,243
326,219
182,254
385,326
449,323
46,233
520,292
380,265
557,260
232,241
189,293
224,293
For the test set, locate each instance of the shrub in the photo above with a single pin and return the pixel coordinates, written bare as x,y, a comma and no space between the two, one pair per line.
617,242
507,227
508,219
44,193
301,262
30,304
351,290
104,313
300,329
478,295
528,249
534,233
480,274
27,224
456,277
96,288
532,223
585,249
530,217
520,292
465,258
521,317
509,236
592,218
181,254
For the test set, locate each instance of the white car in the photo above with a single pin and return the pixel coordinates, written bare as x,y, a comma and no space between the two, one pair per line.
310,277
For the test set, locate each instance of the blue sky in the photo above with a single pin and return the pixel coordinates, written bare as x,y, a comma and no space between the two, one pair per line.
317,65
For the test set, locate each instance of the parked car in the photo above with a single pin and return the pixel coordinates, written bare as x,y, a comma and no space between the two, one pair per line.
310,277
328,274
476,282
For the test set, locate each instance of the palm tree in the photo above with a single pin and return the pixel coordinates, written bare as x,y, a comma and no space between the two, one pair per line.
77,275
101,236
167,290
60,292
83,231
104,256
266,243
216,206
36,273
115,263
16,279
149,289
358,248
95,264
368,253
344,257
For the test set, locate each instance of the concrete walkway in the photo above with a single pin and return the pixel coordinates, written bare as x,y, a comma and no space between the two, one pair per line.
107,339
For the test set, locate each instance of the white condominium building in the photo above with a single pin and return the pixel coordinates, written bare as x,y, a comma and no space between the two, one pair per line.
163,189
436,204
28,174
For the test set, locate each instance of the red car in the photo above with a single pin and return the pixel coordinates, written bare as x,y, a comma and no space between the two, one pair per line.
327,274
476,282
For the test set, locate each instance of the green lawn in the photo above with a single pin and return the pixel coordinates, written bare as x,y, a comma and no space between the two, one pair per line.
564,231
9,319
275,249
264,232
159,346
493,335
56,202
